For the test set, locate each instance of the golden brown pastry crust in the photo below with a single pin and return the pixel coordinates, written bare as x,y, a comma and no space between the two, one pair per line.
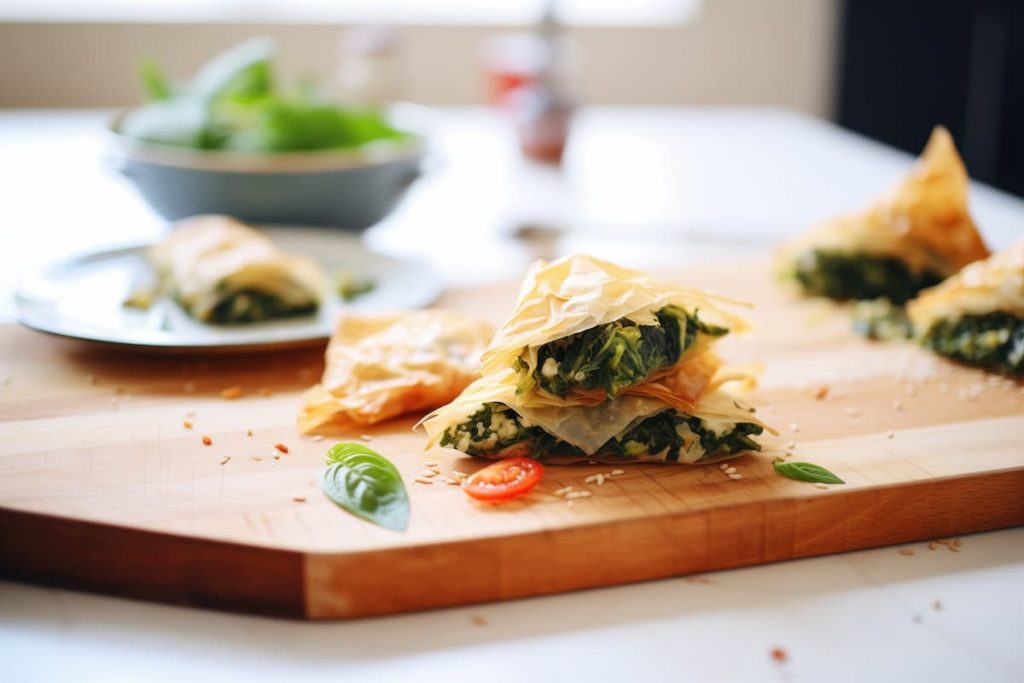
994,284
923,221
578,292
382,366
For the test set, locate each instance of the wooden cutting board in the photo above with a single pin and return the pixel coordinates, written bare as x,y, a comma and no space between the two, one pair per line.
103,488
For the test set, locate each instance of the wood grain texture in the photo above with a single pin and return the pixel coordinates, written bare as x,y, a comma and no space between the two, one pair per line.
102,486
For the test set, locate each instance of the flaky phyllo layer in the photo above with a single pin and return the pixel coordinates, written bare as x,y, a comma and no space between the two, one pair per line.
486,421
977,316
223,271
914,237
585,330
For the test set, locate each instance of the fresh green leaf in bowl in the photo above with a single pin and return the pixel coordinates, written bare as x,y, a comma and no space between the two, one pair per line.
232,104
366,484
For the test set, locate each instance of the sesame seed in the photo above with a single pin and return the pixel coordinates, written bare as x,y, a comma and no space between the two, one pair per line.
562,491
366,437
316,437
578,494
889,434
723,466
459,476
600,480
231,393
430,474
932,545
248,432
906,551
730,470
299,499
225,459
190,413
591,479
735,475
449,480
277,456
794,427
615,473
430,463
207,441
819,485
852,411
281,447
423,480
187,424
791,445
257,458
955,543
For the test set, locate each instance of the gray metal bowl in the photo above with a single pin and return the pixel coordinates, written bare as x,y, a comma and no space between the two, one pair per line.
351,189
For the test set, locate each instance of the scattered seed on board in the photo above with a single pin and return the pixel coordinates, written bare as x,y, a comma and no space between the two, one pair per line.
819,485
890,434
366,437
735,475
187,424
850,411
277,456
791,445
615,473
906,551
577,494
562,491
794,427
430,463
299,499
225,459
430,474
423,480
723,466
316,437
207,440
231,393
248,432
730,470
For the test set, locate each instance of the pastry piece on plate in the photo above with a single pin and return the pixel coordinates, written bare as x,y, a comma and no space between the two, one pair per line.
223,271
585,330
912,238
378,367
977,316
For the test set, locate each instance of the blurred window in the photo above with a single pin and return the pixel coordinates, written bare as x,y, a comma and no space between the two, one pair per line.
594,12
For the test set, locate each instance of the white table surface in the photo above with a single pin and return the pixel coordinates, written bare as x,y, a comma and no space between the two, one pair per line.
649,187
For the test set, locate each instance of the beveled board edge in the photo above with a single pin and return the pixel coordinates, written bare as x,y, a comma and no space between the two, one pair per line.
188,571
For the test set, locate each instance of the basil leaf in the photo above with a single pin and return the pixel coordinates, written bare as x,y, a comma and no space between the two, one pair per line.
366,484
806,471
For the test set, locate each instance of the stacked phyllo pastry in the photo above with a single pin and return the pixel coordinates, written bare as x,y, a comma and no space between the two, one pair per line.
914,237
977,316
222,271
599,362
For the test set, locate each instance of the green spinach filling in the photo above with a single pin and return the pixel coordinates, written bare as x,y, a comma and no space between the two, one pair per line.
860,276
993,340
881,319
251,305
495,427
616,355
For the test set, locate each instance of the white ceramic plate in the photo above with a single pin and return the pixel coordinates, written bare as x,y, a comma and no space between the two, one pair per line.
82,297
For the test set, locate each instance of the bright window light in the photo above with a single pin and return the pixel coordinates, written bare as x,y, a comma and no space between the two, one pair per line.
580,12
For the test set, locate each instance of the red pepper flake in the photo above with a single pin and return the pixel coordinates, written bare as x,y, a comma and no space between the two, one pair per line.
779,655
281,447
207,441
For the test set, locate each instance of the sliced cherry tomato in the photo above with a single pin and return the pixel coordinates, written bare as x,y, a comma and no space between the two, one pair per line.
505,479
